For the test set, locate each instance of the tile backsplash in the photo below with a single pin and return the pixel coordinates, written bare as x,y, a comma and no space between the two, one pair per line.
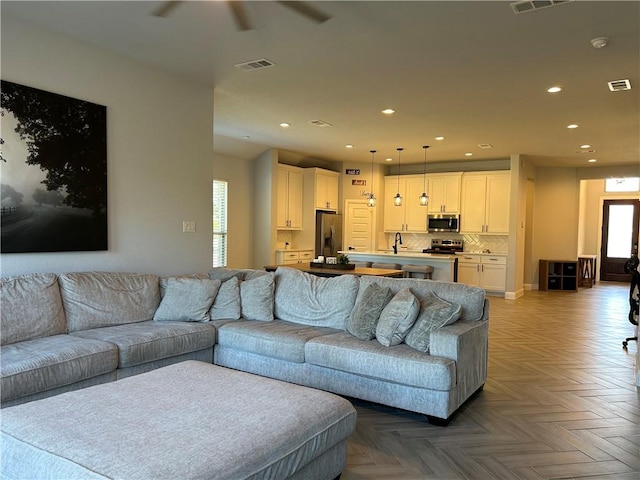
472,243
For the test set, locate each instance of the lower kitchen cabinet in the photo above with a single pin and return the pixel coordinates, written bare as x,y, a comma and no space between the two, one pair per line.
488,272
288,257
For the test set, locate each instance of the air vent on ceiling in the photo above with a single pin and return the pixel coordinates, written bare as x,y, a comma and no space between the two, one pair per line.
531,5
320,123
255,64
485,145
619,85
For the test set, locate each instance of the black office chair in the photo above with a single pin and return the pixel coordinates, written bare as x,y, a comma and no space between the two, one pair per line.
631,266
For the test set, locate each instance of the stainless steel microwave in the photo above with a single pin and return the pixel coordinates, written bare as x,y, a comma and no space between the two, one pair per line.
443,222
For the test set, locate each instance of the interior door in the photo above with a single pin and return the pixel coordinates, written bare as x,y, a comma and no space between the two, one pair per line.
620,225
359,226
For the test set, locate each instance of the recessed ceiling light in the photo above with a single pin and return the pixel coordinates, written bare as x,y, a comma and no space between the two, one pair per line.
585,146
388,111
285,124
388,159
246,137
554,89
348,145
468,154
592,160
573,125
440,138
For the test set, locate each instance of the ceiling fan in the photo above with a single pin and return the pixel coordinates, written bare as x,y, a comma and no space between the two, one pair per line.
239,11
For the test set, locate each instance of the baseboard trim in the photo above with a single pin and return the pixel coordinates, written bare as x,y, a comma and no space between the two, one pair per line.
513,295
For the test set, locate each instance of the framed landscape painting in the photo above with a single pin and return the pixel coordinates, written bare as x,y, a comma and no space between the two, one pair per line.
53,172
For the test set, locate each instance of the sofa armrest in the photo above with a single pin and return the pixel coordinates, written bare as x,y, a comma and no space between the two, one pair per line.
468,344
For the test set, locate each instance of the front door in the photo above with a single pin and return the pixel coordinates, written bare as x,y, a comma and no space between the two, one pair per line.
620,222
359,226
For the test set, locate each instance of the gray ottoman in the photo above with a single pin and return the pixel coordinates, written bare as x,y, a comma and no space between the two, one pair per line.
188,420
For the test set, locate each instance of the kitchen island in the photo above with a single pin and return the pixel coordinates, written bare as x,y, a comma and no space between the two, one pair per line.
444,266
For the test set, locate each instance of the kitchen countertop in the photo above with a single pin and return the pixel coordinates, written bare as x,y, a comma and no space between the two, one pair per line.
402,253
485,254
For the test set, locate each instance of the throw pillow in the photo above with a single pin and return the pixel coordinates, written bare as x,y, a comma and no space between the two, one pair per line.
256,298
434,313
187,300
366,312
227,303
397,318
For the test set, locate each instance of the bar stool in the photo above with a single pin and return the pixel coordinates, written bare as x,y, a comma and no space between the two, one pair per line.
417,271
391,266
362,264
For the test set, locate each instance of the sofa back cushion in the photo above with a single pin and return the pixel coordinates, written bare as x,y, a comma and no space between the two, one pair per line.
31,308
101,299
304,298
471,299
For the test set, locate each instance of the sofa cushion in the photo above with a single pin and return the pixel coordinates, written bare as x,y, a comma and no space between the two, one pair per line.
145,342
226,305
187,299
434,313
399,364
276,339
41,364
165,278
103,299
256,298
310,300
364,317
31,308
223,274
397,318
471,299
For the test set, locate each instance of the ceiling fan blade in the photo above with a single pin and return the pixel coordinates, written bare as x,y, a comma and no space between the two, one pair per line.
239,12
306,9
165,8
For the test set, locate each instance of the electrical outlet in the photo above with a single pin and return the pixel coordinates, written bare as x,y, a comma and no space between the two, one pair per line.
189,226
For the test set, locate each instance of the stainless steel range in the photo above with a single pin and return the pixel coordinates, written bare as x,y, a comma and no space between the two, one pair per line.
444,247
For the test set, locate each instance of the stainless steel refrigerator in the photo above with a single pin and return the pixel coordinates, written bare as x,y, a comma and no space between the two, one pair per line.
328,234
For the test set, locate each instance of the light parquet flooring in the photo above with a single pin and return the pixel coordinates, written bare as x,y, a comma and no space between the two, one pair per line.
560,401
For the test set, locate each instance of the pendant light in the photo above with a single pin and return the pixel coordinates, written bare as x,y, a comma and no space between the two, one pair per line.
371,200
424,198
397,200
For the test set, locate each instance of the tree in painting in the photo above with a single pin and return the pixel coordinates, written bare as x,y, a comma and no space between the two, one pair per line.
63,140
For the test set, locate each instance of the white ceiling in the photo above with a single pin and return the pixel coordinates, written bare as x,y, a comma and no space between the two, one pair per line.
471,71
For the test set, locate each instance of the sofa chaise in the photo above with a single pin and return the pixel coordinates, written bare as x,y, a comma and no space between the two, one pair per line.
418,345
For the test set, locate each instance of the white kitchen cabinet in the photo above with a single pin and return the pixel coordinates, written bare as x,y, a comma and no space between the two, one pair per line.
325,188
289,257
444,192
410,216
488,272
485,202
289,198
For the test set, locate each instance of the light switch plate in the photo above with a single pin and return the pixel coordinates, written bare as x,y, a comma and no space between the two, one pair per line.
188,226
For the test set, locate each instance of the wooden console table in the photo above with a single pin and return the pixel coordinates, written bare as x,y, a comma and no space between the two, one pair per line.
587,270
334,272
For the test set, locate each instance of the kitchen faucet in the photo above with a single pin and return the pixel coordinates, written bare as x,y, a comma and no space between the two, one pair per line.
395,242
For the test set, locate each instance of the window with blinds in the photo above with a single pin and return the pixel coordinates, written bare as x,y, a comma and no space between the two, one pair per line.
220,223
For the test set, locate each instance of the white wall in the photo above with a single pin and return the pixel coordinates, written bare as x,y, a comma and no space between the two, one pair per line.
239,175
159,141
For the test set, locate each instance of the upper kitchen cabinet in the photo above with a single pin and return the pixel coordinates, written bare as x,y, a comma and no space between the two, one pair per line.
485,202
444,192
325,187
289,195
410,216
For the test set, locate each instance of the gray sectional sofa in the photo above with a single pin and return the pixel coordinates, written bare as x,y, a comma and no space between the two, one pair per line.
418,345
